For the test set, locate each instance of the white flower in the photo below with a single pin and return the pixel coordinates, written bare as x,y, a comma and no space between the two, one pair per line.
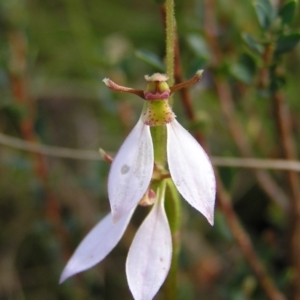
132,168
149,258
189,166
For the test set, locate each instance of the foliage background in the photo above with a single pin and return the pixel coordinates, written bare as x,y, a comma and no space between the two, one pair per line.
53,57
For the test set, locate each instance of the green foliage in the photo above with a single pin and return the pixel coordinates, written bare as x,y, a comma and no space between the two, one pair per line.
151,59
265,12
252,43
287,42
288,12
244,70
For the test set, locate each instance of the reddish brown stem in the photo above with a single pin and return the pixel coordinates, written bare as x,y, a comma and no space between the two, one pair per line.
286,140
283,120
264,74
264,179
245,244
225,96
19,86
184,94
240,235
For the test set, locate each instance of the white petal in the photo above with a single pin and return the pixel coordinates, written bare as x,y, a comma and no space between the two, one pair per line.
149,258
131,171
96,245
191,170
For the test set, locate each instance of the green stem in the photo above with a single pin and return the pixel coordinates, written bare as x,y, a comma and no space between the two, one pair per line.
170,37
172,206
172,203
159,138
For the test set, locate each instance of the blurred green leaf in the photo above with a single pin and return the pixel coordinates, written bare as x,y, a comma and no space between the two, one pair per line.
265,12
277,82
198,45
287,12
221,227
287,42
240,72
197,64
244,69
261,15
16,111
151,59
252,44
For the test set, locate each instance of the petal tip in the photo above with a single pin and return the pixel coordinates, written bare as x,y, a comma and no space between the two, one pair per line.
209,215
150,255
210,220
64,276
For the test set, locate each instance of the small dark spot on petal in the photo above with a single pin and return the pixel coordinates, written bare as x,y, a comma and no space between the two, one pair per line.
125,169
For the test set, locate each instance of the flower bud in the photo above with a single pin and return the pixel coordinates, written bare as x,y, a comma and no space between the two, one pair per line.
148,199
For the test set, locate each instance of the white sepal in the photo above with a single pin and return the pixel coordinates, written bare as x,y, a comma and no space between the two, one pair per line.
131,171
191,170
149,258
96,245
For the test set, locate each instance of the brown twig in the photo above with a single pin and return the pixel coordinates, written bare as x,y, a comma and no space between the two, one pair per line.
19,84
264,179
264,74
283,120
240,235
184,94
245,244
286,140
225,96
69,153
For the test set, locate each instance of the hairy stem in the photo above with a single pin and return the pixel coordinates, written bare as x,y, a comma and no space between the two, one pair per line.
172,205
172,198
170,24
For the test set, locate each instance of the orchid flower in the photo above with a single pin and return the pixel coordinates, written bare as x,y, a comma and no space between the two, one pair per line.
129,181
132,168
